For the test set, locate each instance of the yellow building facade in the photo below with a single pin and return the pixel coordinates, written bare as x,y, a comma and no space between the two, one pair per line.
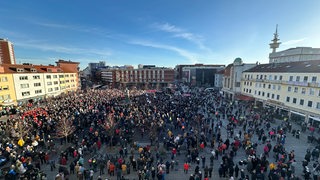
22,83
7,91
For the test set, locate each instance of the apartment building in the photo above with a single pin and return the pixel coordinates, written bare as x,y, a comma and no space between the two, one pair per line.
7,93
52,84
71,81
71,68
6,52
28,86
293,87
21,83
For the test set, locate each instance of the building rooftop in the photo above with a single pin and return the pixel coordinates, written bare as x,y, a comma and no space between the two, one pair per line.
290,67
296,51
29,68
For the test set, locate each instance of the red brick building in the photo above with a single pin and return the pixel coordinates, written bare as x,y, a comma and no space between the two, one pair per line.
147,78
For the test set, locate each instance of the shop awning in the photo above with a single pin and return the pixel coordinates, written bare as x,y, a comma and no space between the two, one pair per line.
8,102
315,118
297,113
242,97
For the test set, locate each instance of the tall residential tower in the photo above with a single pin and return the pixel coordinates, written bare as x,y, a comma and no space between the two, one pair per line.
6,52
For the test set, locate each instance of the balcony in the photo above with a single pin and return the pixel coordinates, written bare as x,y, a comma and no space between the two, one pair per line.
314,84
295,83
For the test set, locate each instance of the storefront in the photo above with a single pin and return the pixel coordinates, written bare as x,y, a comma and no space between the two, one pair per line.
314,121
297,117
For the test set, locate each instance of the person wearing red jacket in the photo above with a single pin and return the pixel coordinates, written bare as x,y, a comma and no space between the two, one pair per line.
186,167
63,161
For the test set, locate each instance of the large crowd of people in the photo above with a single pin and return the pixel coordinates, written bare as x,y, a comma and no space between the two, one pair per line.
185,123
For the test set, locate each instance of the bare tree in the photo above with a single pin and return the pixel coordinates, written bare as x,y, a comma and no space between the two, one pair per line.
64,128
21,128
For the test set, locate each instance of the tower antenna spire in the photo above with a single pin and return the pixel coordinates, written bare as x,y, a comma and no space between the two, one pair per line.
275,44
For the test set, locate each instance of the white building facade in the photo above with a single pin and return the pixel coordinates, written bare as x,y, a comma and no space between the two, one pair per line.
293,87
295,54
38,85
232,78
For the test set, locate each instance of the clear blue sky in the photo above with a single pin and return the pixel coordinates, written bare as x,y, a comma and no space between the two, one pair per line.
160,32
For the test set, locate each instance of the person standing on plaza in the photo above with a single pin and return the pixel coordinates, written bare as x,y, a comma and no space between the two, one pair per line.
186,167
111,169
210,171
119,172
168,167
191,177
124,168
206,171
236,171
101,167
72,167
153,173
203,158
91,174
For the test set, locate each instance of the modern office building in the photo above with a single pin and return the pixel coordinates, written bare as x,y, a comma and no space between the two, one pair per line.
202,75
293,87
6,52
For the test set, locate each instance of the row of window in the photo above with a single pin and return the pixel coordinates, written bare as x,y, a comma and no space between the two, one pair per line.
305,79
60,76
312,79
277,97
303,90
263,85
311,91
23,70
54,76
54,82
51,89
264,77
39,91
142,72
302,102
26,85
4,79
4,88
127,79
4,97
263,94
36,77
23,78
27,93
